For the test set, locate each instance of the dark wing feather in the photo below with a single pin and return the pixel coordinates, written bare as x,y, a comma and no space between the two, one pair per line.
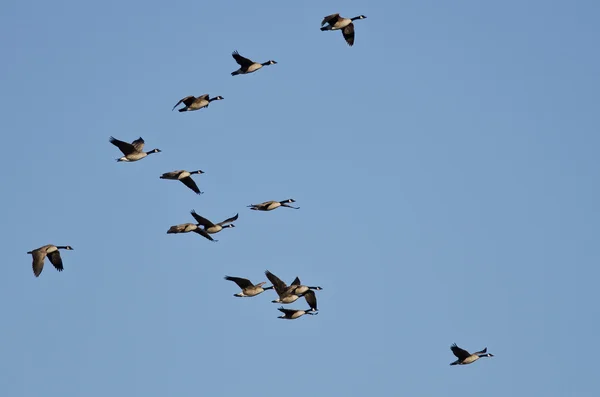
138,144
56,260
461,354
481,351
189,182
126,148
311,299
38,262
332,19
241,282
348,33
243,62
280,286
203,233
229,220
201,220
287,311
296,281
182,100
205,96
188,101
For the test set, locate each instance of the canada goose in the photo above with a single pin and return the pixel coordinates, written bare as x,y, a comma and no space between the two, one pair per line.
185,177
246,65
190,227
192,103
51,251
286,293
271,205
464,357
303,289
210,227
132,151
248,289
292,314
336,22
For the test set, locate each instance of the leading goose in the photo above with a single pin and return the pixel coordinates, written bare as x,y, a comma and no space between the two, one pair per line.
248,289
185,177
51,251
336,22
271,205
192,103
247,65
292,314
464,357
210,227
286,293
132,151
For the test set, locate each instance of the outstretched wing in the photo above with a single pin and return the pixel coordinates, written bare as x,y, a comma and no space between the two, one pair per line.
189,182
56,260
348,33
481,351
241,282
287,311
331,19
280,286
229,220
187,98
461,354
296,281
243,62
201,97
138,144
38,261
311,299
201,220
126,148
203,233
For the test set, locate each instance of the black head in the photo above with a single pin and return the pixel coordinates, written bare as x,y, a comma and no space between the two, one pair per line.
197,172
155,151
229,225
218,98
271,62
68,247
361,17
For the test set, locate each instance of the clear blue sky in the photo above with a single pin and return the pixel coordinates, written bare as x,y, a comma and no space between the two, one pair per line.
446,167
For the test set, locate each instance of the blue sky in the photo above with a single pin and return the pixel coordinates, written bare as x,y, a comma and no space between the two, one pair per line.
446,168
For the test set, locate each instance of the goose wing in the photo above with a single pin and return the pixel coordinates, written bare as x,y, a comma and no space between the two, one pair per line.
56,260
481,351
348,33
229,220
125,147
241,282
331,19
189,182
38,261
287,311
187,101
201,220
461,354
280,286
296,281
311,299
204,234
138,144
205,96
243,62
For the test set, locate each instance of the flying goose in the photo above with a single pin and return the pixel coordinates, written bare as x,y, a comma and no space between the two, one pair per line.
185,177
190,227
210,227
248,289
132,151
464,357
292,314
246,65
51,251
286,293
303,289
192,103
271,205
336,22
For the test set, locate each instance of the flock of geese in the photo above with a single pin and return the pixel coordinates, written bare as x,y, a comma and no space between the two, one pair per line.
287,294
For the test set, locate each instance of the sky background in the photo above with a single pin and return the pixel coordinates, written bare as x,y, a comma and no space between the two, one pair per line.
446,167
